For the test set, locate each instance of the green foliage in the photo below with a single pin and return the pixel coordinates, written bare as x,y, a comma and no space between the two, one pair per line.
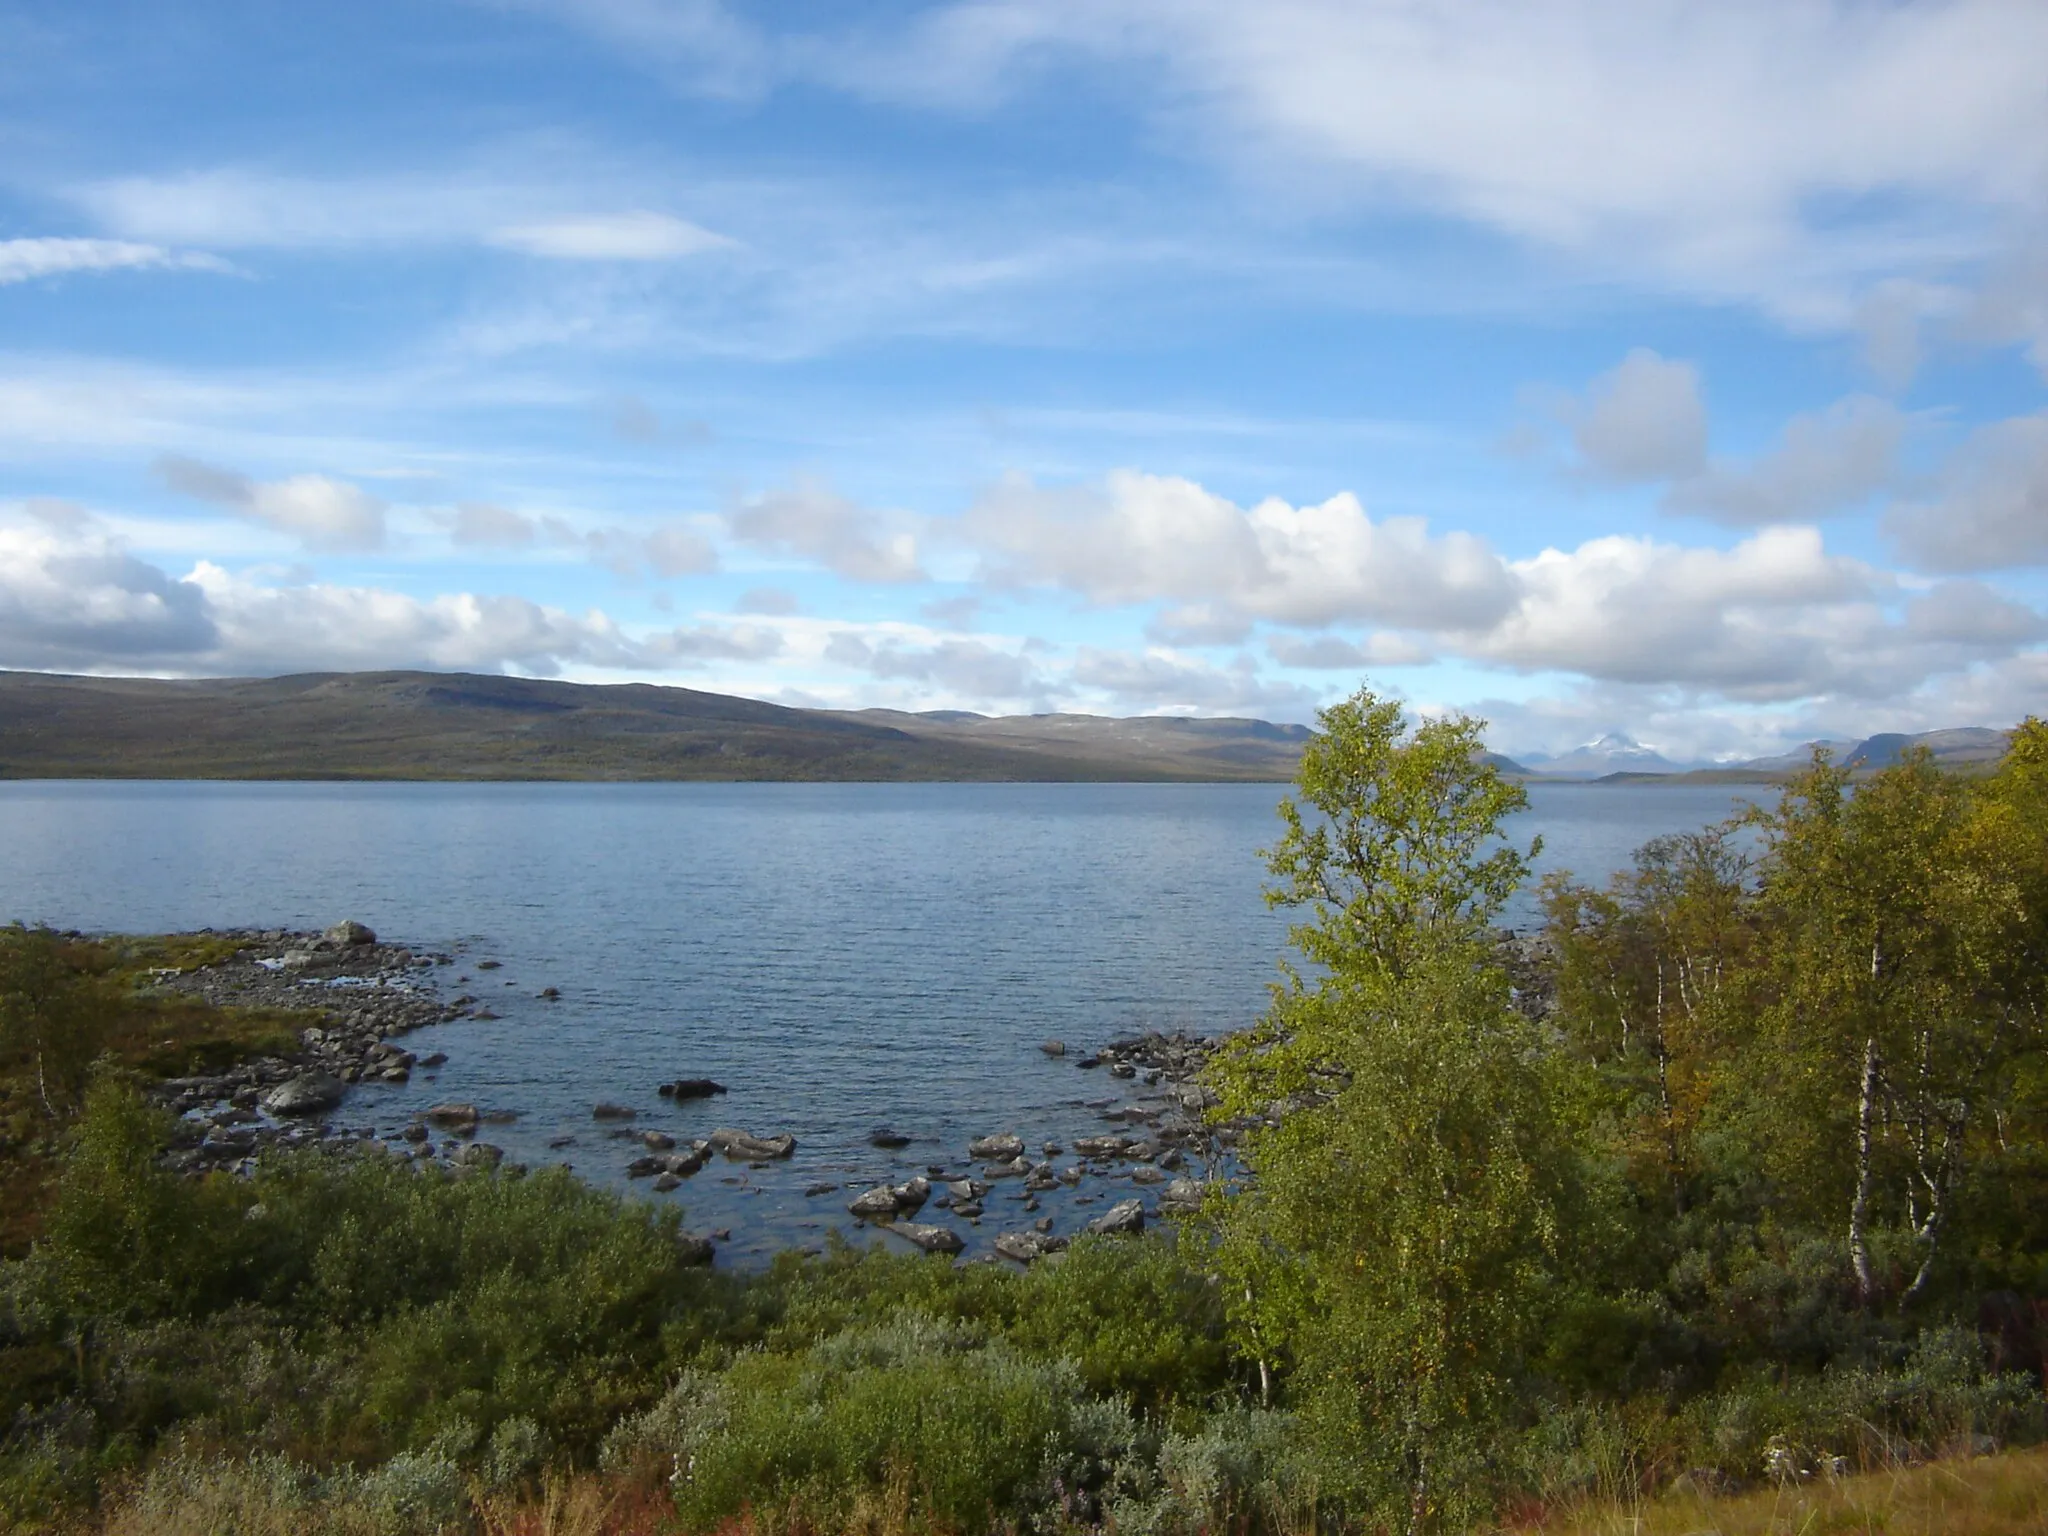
1396,1243
967,1428
54,1008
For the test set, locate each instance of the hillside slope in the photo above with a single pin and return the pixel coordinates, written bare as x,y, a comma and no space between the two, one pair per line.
420,725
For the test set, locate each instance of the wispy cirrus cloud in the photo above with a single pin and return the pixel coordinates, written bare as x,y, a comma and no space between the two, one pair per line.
26,259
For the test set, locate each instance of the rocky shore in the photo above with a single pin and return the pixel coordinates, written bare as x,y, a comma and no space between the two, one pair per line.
358,997
1157,1151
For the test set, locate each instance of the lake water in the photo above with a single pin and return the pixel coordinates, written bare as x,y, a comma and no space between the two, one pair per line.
842,956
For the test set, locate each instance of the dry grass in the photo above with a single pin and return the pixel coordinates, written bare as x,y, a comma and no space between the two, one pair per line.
579,1506
2004,1495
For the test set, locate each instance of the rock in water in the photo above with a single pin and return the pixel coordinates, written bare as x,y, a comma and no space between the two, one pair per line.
613,1112
746,1148
1126,1216
310,1093
1054,1047
996,1149
1181,1195
930,1239
455,1116
348,933
875,1203
1026,1246
690,1088
887,1139
691,1249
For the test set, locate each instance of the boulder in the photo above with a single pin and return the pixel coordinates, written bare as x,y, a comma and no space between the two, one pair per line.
967,1189
1126,1216
310,1093
1101,1146
481,1154
1015,1170
1145,1173
657,1141
930,1239
1026,1246
690,1088
996,1149
349,933
887,1139
667,1182
643,1167
1054,1048
1181,1195
436,1059
875,1204
613,1112
683,1164
691,1249
454,1116
743,1147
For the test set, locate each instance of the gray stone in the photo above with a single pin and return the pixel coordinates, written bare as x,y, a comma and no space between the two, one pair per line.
930,1239
694,1250
996,1149
1027,1246
1181,1195
746,1148
1121,1219
349,933
875,1204
613,1112
310,1093
1054,1048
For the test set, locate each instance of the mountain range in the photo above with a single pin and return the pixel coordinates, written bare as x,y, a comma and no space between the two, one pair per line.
442,725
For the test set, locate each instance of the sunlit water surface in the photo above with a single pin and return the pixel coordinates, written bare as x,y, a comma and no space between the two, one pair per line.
842,956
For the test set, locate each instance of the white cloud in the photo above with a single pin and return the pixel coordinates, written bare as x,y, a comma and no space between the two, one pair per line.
1328,653
479,525
809,520
1784,154
25,259
1160,681
72,597
1642,420
1990,509
1826,462
1150,538
325,513
963,668
638,236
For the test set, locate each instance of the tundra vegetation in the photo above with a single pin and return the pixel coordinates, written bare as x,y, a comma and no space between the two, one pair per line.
1752,1199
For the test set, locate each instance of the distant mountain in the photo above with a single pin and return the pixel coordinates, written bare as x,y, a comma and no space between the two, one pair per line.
1971,744
1797,758
431,725
1612,753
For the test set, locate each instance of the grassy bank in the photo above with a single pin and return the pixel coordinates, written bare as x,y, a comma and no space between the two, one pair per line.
1730,1219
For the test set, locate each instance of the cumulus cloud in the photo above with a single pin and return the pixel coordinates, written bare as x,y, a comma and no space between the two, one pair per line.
969,668
25,259
324,513
1328,653
1990,509
1150,538
635,236
1162,681
1827,461
1642,420
479,525
72,596
809,520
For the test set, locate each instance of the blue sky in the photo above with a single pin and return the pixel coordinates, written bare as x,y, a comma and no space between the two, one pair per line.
1654,367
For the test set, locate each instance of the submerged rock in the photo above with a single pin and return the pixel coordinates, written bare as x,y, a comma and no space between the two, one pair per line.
1121,1219
931,1239
887,1139
748,1148
310,1093
1027,1246
613,1112
690,1088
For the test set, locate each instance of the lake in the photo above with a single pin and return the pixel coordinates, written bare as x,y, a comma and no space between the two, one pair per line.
842,956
